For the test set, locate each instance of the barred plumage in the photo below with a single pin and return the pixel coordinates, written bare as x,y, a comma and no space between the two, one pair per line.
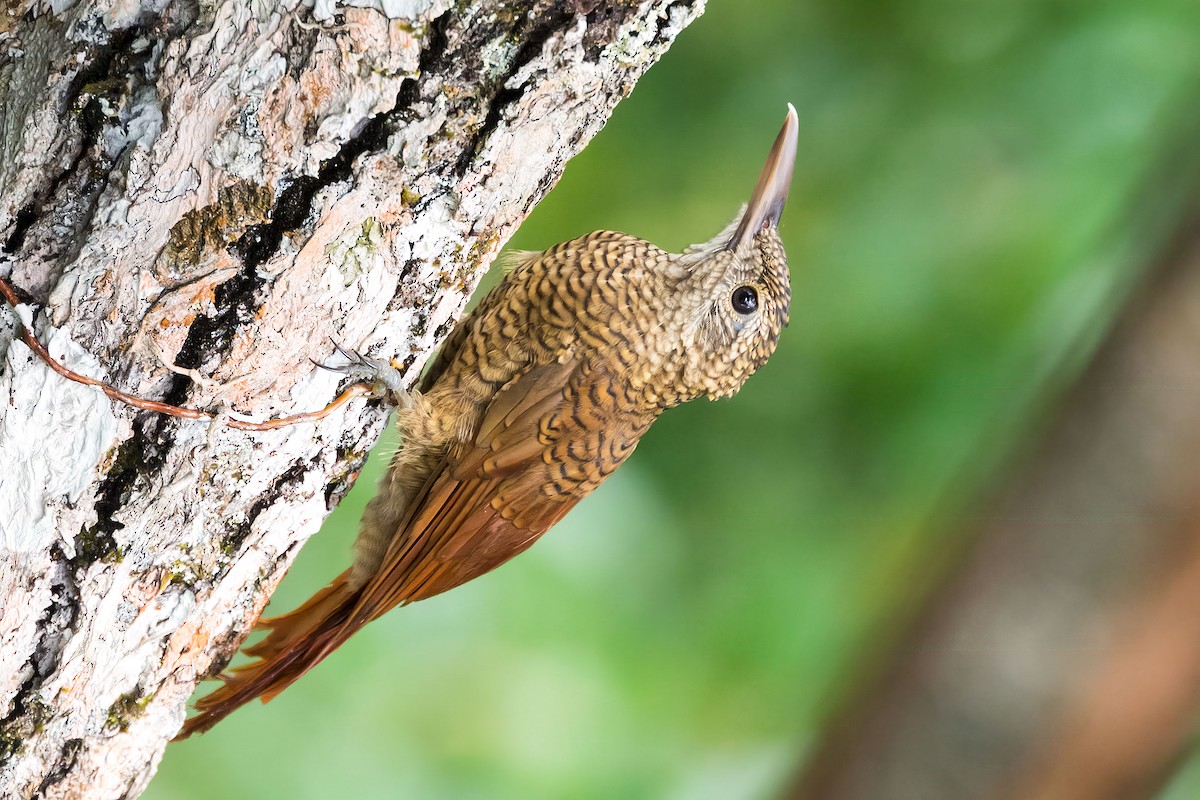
538,395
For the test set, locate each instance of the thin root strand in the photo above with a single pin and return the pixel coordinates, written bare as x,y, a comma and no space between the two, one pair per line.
31,341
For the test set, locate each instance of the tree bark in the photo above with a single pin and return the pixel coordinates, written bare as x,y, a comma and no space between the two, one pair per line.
196,198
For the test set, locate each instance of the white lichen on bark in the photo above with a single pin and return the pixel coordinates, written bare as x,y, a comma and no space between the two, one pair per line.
197,198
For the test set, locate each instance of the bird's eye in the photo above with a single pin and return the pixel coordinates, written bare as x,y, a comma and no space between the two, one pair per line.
745,300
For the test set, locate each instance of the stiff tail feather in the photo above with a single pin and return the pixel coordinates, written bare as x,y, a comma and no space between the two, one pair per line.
297,642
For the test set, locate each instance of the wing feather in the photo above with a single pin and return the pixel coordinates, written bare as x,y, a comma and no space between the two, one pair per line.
495,494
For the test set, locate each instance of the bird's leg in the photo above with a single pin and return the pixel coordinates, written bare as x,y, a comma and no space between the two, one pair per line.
383,379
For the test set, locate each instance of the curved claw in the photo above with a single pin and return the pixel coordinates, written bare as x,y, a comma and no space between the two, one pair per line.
350,355
384,379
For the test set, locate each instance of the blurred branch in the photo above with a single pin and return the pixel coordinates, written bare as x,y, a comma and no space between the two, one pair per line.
1137,710
1060,658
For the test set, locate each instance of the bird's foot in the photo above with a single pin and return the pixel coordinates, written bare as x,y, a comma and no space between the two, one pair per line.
385,380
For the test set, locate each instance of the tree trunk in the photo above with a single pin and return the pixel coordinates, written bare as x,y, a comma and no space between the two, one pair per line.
197,198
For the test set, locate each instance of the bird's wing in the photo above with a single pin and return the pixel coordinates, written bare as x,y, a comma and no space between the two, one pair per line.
549,437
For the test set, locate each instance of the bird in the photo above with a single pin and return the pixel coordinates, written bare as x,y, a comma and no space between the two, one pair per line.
536,397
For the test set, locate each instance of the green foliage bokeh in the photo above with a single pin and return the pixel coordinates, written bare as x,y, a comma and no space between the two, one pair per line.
964,212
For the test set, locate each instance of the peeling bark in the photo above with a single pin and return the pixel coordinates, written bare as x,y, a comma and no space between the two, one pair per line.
196,198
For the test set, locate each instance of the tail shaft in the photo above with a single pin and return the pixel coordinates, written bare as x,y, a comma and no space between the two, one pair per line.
297,642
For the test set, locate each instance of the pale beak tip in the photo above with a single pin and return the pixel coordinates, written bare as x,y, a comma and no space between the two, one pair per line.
791,131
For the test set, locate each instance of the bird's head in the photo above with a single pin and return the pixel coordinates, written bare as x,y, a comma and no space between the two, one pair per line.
736,290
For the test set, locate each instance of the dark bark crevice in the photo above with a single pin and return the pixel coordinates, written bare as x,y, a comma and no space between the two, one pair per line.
29,712
237,299
235,535
46,229
555,19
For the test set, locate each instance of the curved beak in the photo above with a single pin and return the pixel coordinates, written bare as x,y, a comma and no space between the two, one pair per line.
766,204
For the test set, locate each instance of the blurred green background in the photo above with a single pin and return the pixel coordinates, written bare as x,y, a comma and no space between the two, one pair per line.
969,202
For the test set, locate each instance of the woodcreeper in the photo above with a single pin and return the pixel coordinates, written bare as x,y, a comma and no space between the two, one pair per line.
535,398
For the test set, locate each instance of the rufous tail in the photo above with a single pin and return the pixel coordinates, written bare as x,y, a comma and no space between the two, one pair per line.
297,642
